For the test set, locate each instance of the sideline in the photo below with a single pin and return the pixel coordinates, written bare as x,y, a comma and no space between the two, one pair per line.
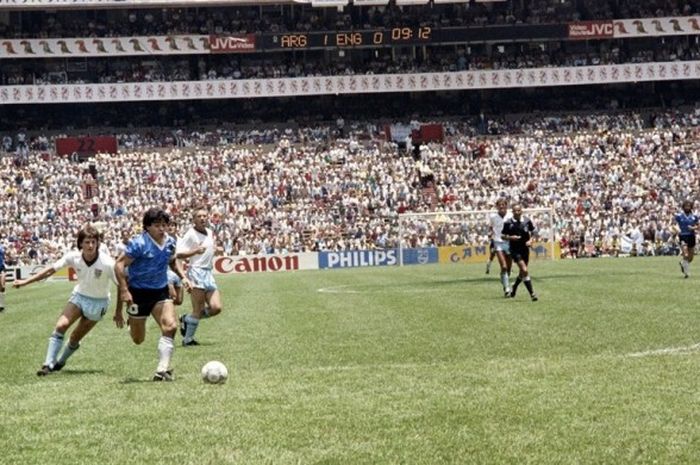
667,351
337,290
342,289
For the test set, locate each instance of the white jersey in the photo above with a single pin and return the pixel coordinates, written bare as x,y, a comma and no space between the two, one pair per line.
194,239
104,249
497,221
93,280
120,248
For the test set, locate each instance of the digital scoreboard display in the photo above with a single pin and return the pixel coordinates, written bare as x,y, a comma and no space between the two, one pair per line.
409,35
341,39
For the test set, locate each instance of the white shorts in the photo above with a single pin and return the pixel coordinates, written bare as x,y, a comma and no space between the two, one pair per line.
202,278
502,246
174,279
91,308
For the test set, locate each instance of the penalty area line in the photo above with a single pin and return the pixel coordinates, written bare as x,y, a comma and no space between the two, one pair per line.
344,289
337,290
667,351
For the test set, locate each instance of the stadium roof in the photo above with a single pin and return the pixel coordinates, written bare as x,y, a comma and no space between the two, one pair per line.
80,4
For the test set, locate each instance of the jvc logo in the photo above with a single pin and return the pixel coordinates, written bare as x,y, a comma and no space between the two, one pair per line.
602,29
228,43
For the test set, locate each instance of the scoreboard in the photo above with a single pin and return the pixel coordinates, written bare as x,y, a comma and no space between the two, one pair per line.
408,35
341,39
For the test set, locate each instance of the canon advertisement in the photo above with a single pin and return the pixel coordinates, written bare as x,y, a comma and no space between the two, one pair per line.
266,263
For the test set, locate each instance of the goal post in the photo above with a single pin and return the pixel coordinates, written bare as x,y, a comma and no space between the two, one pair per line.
469,228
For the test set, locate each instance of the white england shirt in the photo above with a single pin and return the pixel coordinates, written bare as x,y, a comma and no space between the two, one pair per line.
497,221
94,280
194,239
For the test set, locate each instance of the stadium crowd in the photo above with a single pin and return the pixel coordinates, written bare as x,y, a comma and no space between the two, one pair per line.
606,176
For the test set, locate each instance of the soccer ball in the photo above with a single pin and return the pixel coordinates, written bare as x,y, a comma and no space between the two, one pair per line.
214,373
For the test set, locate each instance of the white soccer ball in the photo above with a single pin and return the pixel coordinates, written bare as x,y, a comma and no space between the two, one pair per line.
214,373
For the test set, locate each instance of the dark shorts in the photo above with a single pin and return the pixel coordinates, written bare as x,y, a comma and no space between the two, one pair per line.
520,254
688,239
145,300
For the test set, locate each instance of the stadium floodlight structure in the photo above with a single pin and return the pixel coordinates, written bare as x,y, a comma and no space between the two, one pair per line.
465,228
114,4
78,4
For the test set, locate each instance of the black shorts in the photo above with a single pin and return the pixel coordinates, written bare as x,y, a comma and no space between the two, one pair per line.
688,239
145,300
519,253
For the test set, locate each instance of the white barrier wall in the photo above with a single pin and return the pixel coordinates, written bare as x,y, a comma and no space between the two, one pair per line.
360,84
266,263
222,265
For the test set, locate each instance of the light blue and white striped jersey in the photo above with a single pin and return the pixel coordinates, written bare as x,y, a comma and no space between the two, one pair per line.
149,269
685,222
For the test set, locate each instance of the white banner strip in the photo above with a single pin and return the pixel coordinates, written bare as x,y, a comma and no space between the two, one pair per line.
656,27
104,47
360,84
200,44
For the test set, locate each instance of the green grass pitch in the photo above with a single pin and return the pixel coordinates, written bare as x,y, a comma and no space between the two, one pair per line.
415,365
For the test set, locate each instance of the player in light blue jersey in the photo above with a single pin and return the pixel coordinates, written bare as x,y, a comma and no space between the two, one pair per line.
687,223
2,278
145,290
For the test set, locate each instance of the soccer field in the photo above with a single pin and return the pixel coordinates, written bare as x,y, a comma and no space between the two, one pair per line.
414,365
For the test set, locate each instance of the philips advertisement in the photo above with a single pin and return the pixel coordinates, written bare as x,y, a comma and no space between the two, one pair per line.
358,258
384,257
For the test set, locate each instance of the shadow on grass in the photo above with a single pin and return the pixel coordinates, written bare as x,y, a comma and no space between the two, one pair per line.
201,344
72,372
138,381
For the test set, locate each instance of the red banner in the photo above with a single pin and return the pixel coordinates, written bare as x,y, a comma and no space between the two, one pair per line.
591,30
428,133
232,44
85,146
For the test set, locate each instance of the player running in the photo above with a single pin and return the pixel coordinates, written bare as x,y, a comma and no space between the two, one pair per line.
198,247
687,226
496,221
88,302
518,231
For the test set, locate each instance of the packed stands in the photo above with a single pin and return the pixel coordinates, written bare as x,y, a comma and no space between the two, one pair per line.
320,188
254,110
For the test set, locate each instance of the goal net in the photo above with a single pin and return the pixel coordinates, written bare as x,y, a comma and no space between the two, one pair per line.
463,236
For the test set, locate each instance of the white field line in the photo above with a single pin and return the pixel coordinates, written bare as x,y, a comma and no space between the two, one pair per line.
343,289
667,351
337,290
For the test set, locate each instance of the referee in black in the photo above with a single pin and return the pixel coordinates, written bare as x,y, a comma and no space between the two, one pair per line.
518,231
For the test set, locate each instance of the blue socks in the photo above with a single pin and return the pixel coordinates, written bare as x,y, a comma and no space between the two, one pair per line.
192,324
55,343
